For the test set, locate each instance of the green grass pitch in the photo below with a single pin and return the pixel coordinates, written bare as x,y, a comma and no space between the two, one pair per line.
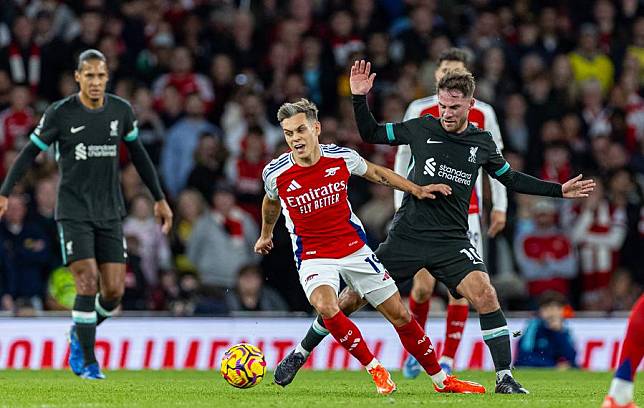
323,389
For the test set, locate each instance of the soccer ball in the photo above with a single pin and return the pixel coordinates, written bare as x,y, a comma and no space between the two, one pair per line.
243,366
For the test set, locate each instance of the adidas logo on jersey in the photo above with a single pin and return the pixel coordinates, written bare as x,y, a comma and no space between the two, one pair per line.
293,186
430,167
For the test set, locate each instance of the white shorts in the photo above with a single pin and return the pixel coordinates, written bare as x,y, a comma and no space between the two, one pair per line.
474,232
362,271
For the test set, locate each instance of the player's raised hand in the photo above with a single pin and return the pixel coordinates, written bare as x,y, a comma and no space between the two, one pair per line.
577,188
4,203
361,80
163,214
429,190
264,245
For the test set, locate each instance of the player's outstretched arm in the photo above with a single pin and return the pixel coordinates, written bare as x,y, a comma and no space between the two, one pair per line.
270,214
389,178
17,170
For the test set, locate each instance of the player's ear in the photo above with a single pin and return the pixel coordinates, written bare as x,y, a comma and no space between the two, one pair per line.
318,127
471,102
77,75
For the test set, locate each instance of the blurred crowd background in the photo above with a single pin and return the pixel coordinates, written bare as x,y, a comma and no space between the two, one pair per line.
206,77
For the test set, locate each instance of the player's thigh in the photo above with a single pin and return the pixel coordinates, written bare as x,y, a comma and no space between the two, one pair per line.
474,232
350,301
314,273
109,242
424,283
401,258
365,274
459,259
76,240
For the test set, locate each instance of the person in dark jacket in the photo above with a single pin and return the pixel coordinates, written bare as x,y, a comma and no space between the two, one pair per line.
547,341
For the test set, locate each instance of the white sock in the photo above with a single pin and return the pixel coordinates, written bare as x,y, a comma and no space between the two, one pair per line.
373,364
447,360
301,350
502,373
621,391
439,379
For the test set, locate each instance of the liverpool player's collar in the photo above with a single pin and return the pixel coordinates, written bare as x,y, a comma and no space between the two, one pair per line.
89,110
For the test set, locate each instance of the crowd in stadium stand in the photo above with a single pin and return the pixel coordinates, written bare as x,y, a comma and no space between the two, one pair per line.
206,77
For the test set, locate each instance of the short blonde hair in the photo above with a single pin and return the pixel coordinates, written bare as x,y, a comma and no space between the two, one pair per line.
305,106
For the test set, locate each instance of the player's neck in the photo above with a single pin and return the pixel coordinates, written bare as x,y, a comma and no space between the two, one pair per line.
309,160
90,103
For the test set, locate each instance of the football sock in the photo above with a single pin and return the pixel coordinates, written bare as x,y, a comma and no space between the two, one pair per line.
301,350
84,317
105,308
418,345
496,335
349,337
317,332
419,311
621,388
456,318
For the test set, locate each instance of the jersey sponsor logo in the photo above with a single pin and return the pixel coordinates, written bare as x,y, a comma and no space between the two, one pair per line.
114,128
293,186
472,158
83,152
430,141
331,171
317,198
458,176
430,167
76,129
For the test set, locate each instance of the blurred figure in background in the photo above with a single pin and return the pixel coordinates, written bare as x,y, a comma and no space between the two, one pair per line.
251,295
28,254
152,245
222,242
547,342
544,253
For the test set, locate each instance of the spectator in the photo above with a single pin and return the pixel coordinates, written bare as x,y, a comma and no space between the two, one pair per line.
177,156
28,254
183,78
246,173
89,35
544,253
251,295
598,231
589,62
239,117
44,212
151,128
547,341
21,58
190,207
152,246
222,241
17,120
210,158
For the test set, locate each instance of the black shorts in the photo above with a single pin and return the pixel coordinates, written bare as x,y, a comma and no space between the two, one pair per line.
449,260
102,240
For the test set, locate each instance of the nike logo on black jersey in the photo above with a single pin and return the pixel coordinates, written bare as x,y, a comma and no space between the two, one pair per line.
77,129
433,141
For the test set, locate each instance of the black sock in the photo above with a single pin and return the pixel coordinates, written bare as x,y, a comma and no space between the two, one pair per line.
496,335
84,317
317,332
105,308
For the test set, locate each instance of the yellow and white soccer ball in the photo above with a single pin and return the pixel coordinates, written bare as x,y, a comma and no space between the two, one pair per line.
243,366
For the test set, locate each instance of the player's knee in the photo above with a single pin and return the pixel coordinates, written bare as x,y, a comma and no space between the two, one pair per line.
486,300
401,317
112,293
421,292
327,310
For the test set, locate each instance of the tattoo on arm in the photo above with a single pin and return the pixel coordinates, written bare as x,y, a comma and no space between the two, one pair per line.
271,214
384,181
